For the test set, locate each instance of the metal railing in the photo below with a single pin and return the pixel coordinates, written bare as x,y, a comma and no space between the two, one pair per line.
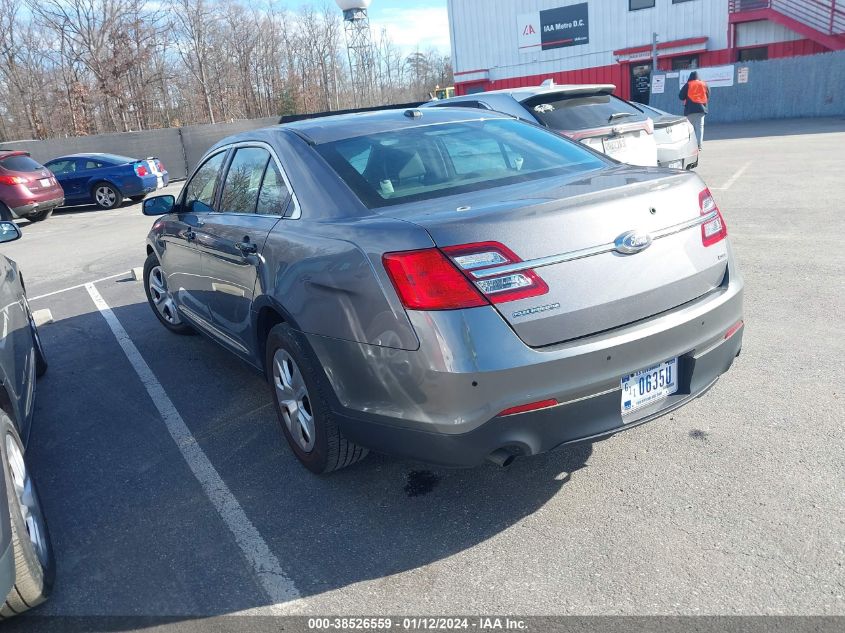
825,16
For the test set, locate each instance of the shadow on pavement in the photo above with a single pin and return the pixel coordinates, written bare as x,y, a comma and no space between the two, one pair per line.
134,533
772,127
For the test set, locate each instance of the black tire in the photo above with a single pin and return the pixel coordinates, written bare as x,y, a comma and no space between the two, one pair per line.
331,450
137,198
5,213
111,200
41,215
179,327
34,571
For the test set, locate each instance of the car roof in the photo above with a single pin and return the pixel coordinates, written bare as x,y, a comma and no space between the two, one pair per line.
526,92
105,155
338,127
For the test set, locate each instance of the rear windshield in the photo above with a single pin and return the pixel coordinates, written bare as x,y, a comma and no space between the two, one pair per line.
440,160
114,159
581,112
19,163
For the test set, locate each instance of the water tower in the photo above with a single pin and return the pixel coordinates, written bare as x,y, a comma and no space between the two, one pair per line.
359,48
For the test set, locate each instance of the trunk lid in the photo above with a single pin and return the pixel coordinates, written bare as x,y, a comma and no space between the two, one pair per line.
570,225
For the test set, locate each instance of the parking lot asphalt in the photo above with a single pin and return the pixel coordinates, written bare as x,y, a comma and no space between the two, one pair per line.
734,504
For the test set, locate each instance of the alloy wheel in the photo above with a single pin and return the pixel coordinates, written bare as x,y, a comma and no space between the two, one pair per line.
105,196
27,500
294,400
162,299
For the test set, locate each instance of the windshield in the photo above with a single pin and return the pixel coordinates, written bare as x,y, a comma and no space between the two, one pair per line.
440,160
580,112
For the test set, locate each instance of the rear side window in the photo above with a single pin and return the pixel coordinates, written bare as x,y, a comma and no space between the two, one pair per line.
273,196
94,164
63,167
243,180
426,162
581,112
199,192
20,163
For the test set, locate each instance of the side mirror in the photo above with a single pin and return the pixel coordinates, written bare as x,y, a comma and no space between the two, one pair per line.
158,205
9,232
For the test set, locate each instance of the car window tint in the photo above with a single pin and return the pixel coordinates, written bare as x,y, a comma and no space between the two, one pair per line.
199,192
426,162
94,164
483,155
20,163
243,180
63,167
581,112
274,193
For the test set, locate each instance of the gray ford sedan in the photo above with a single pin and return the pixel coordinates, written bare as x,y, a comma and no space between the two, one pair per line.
447,284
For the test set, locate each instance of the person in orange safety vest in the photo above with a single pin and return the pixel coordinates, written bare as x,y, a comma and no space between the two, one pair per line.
696,95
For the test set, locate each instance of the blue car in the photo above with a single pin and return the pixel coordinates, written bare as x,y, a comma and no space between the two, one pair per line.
107,179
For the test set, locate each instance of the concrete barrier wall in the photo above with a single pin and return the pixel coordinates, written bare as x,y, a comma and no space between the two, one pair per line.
793,87
178,148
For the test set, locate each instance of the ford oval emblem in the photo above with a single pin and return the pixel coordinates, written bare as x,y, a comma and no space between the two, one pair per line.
632,242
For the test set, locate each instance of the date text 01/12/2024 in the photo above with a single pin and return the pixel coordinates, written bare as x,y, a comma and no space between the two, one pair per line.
482,623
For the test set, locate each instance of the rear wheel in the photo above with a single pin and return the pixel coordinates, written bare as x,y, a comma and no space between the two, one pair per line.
160,298
304,415
41,215
106,195
35,565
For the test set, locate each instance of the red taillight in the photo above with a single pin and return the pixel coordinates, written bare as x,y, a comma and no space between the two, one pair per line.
427,280
477,261
533,406
140,169
13,180
714,230
734,329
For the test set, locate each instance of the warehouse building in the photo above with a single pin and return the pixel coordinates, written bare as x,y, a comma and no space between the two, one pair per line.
509,43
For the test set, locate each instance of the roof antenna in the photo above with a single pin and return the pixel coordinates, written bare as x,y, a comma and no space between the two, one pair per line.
548,83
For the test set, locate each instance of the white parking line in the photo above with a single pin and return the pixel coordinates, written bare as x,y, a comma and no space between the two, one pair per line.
279,588
734,178
96,281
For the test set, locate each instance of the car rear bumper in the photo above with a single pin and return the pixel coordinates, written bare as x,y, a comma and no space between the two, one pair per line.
678,155
24,210
440,402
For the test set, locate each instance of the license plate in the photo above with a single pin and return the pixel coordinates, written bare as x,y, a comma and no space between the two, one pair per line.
647,386
614,145
675,164
45,182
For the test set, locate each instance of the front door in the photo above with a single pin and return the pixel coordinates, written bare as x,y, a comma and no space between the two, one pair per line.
253,199
181,258
640,83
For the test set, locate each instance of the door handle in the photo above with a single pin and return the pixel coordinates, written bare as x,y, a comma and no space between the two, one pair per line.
246,247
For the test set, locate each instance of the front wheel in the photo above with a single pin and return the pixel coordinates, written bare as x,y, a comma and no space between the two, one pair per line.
160,298
35,564
304,415
106,195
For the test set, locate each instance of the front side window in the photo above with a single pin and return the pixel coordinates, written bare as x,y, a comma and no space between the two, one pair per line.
199,192
433,161
63,167
581,112
243,180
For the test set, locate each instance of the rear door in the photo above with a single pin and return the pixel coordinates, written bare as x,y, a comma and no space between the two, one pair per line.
254,197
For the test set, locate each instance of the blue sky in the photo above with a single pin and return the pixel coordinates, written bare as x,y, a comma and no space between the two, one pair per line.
410,23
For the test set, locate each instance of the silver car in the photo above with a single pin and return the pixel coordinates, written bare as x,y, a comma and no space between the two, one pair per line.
588,113
447,284
675,137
